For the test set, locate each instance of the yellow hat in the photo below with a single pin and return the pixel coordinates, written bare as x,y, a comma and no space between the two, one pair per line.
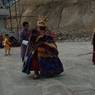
42,21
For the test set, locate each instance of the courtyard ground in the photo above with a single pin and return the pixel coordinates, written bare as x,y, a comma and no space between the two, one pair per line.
78,78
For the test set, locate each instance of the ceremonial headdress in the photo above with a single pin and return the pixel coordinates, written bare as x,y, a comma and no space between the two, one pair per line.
42,21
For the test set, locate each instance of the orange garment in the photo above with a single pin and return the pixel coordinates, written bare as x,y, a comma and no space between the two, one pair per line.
7,44
42,50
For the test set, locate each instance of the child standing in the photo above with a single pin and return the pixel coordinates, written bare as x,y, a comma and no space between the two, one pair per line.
7,44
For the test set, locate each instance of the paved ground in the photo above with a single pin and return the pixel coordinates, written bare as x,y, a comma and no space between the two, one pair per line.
78,78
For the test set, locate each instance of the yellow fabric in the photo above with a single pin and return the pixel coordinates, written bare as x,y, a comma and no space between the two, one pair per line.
7,43
41,52
52,45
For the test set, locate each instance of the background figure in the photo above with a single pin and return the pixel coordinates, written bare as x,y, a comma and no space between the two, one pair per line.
1,40
93,43
24,36
7,44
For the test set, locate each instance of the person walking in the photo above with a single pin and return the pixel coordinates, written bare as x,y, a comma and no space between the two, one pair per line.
24,38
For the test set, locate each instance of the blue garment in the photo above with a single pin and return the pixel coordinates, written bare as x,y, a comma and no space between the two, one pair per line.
50,66
27,65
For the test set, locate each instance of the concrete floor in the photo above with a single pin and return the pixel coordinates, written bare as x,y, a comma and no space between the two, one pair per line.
78,78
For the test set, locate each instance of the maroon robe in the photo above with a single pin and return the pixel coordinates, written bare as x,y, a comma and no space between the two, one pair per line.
93,42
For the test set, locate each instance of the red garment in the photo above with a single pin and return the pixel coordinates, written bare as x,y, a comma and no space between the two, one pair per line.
93,57
35,65
1,38
52,34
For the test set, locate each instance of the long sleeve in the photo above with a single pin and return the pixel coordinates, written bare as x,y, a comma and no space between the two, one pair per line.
21,36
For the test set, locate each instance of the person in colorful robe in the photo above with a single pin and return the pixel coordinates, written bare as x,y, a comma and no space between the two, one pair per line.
93,43
24,38
43,53
7,44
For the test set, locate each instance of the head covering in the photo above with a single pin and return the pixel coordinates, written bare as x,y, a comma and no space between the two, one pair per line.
42,21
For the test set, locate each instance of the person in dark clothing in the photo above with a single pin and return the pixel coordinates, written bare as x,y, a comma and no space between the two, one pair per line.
93,43
24,37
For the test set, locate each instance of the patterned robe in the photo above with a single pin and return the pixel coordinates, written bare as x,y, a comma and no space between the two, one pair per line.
44,56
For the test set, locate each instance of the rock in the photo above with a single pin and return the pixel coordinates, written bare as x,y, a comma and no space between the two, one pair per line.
72,17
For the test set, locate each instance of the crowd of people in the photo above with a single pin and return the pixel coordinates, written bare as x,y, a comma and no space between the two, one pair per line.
39,51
